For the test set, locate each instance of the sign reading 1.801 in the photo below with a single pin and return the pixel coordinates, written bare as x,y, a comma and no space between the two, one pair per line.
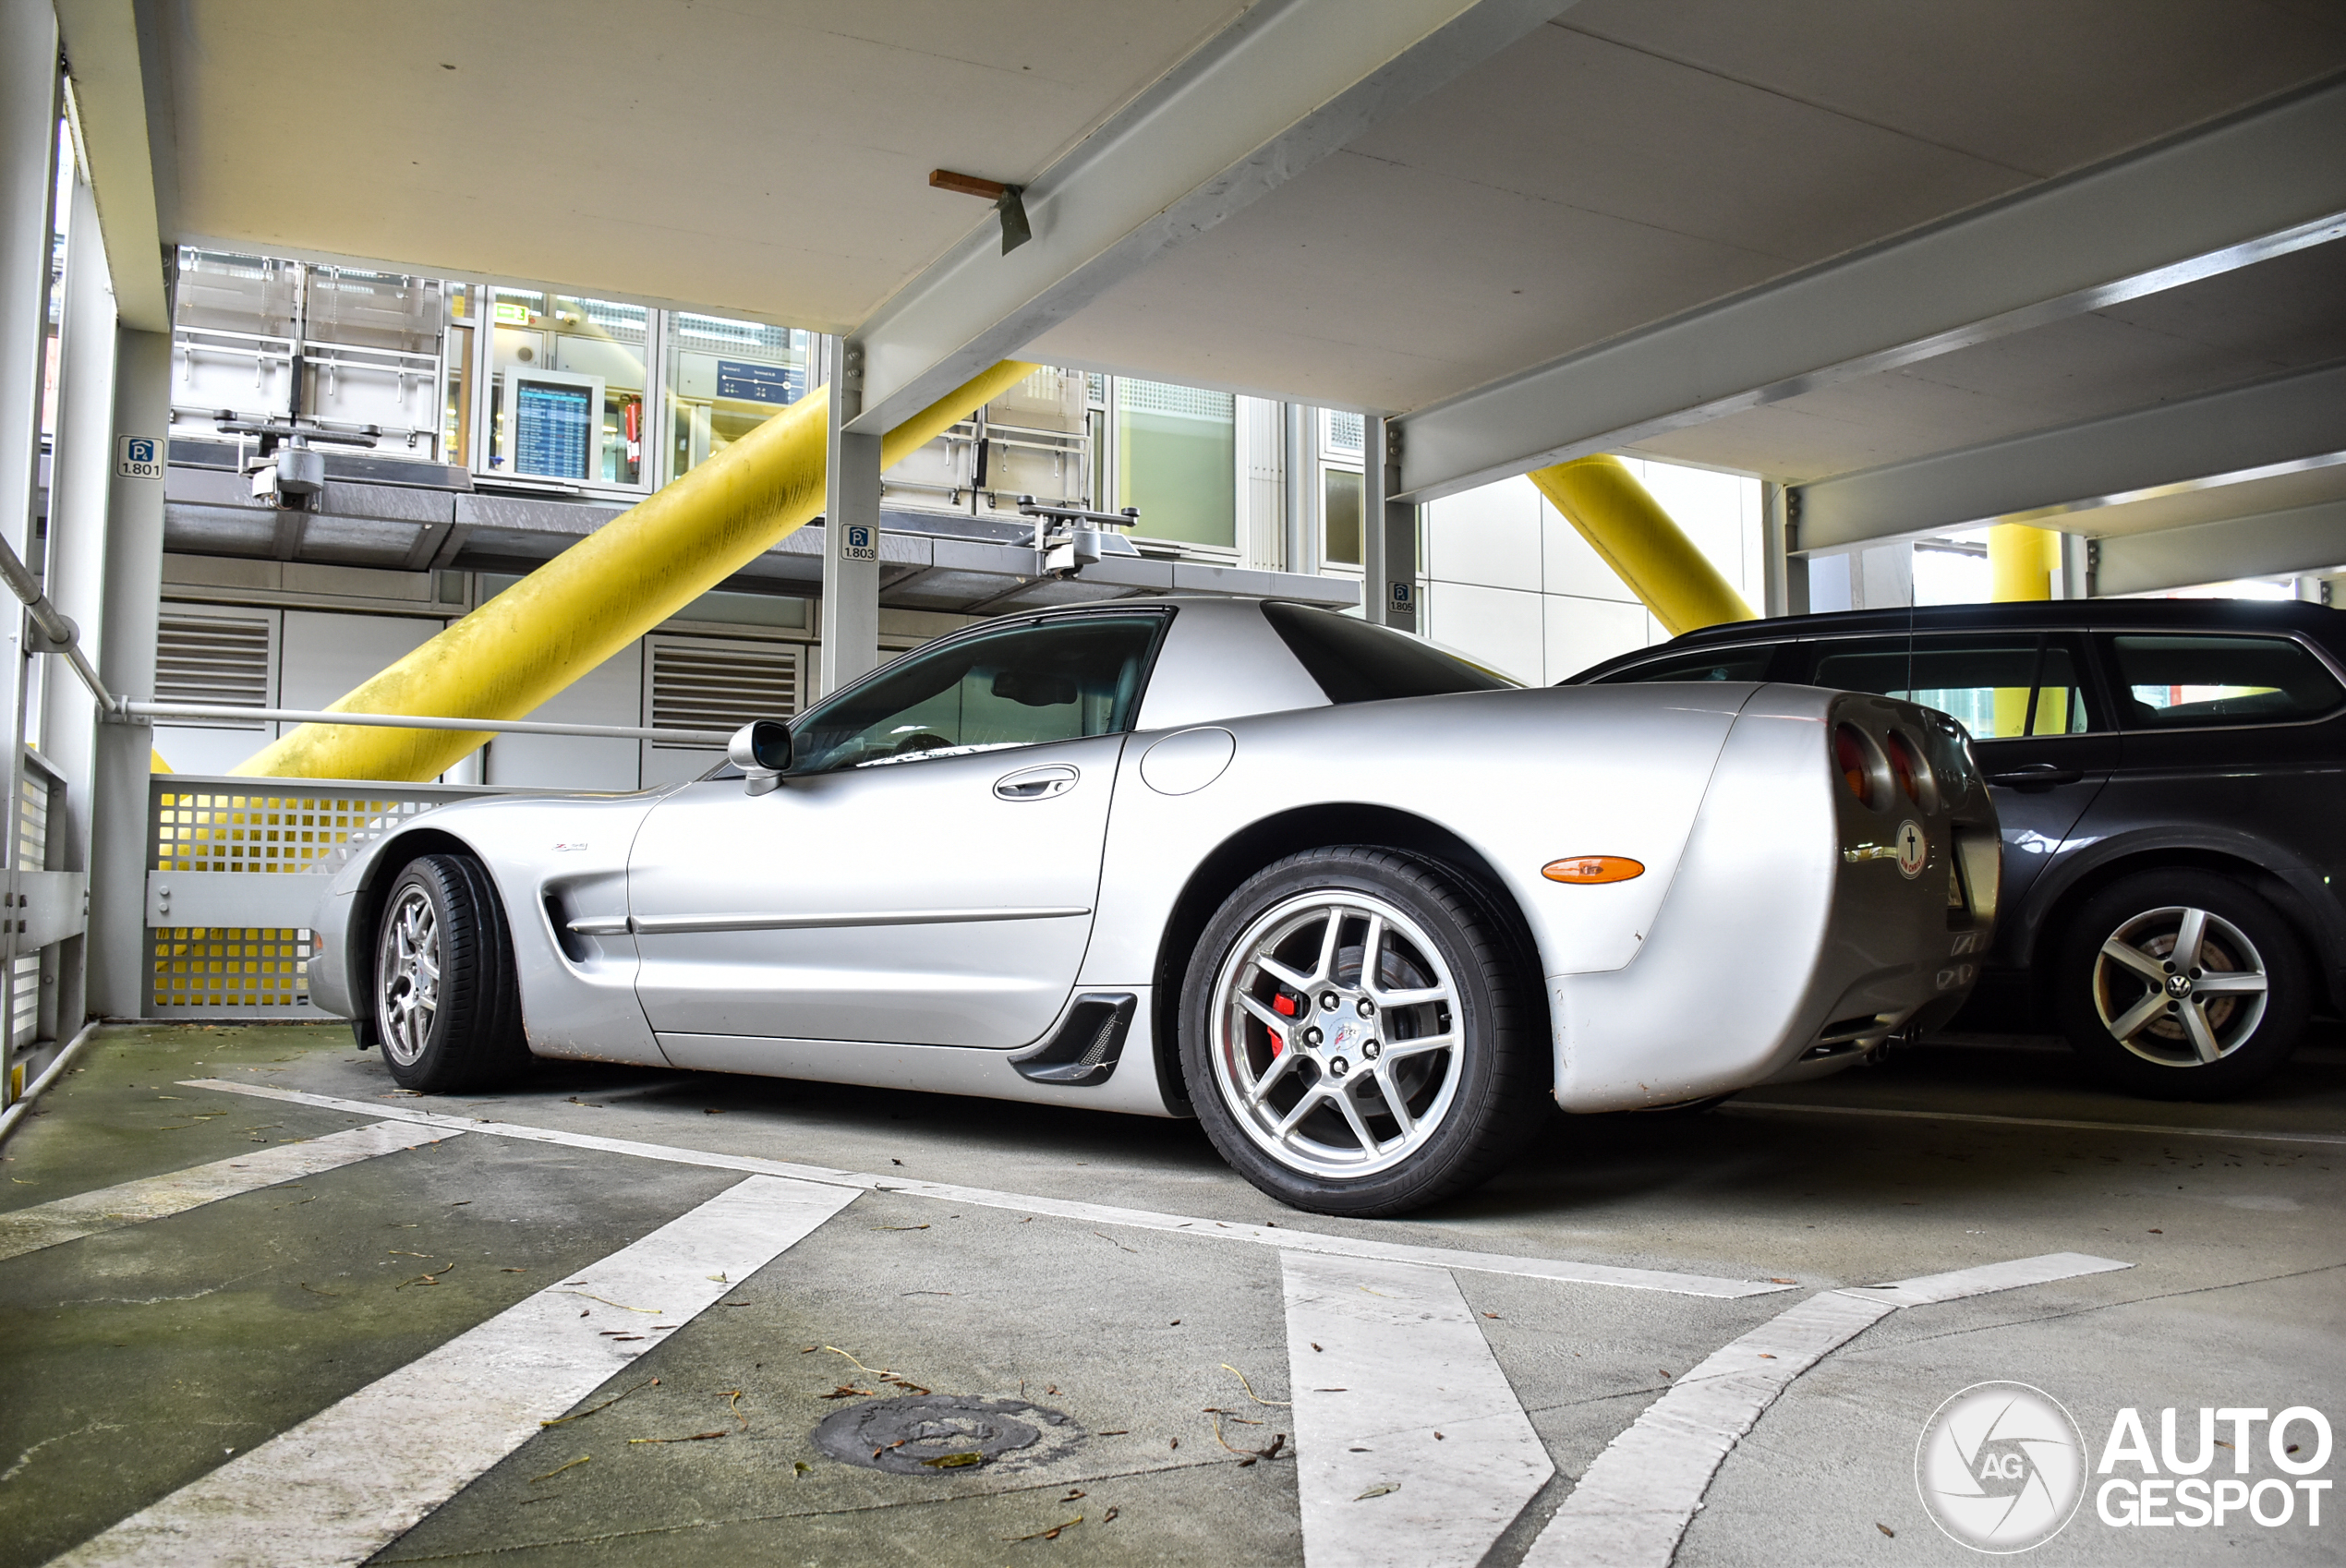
138,457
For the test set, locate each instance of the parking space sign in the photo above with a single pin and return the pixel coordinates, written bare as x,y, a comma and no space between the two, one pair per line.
138,457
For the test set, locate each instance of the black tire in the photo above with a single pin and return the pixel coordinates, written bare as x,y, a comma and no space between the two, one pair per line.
466,1034
2162,1057
1474,1103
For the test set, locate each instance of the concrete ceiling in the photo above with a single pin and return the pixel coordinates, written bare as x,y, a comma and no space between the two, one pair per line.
1563,184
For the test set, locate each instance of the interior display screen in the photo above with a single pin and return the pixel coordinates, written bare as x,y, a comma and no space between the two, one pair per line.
552,427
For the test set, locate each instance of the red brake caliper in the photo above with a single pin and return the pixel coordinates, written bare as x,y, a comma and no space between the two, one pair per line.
1283,1005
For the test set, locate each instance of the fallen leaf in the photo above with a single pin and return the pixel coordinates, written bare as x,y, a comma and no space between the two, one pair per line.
843,1392
1437,1437
800,1467
711,1111
1885,1529
2159,1233
1109,1515
1050,1534
899,1227
559,1469
696,1437
957,1462
1767,1355
566,1420
1773,1280
1314,1343
895,1162
1491,1315
1380,1490
1073,1493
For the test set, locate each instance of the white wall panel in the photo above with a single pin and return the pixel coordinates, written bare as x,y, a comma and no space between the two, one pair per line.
610,694
1582,632
1500,627
1489,536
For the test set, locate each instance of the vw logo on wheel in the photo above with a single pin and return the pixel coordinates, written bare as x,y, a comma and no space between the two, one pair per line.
1914,848
2001,1467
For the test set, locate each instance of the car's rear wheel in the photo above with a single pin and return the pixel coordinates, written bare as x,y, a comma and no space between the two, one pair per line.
2181,986
446,1002
1354,1034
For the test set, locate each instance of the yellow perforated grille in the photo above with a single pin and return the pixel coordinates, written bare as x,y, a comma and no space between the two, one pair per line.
195,971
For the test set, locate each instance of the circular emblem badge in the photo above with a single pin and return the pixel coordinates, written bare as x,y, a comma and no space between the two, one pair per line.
1914,848
2001,1467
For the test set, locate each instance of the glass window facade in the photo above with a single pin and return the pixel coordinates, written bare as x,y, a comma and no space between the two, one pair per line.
567,399
725,378
1177,460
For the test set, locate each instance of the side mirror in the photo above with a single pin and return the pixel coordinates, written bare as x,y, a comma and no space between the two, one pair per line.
761,750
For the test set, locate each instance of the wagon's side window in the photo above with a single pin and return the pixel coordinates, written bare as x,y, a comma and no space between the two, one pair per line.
2173,683
2000,685
1022,686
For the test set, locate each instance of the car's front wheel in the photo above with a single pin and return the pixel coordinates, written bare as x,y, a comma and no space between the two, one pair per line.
1355,1036
446,1001
2181,986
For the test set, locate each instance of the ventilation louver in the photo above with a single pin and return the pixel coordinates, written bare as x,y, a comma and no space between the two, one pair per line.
219,661
698,684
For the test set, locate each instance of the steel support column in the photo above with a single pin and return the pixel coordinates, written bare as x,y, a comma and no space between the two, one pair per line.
117,965
81,466
850,526
1294,509
1388,531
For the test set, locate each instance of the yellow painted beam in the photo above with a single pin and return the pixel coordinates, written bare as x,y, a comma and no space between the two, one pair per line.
1642,543
2021,563
602,594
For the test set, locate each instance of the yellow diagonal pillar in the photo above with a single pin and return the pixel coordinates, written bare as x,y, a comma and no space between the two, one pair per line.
602,594
2021,563
1624,525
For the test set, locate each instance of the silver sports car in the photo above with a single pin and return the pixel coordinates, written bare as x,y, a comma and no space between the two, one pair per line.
1363,908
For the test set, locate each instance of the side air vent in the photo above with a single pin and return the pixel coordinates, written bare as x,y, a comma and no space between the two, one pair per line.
218,660
703,683
1086,1049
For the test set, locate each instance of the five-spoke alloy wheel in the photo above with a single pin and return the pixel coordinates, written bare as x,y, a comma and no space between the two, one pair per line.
447,1005
1355,1035
2181,984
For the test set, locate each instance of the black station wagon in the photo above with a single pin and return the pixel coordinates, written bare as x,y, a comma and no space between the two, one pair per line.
2171,779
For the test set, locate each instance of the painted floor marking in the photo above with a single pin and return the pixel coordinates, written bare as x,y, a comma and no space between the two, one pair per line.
1381,1357
341,1485
1637,1499
153,1198
1769,1107
1059,1208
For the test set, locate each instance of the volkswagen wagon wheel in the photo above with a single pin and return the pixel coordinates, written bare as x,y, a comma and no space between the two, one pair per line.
1354,1037
2181,986
446,1003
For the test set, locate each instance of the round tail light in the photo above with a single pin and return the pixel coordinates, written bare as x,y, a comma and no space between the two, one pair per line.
1861,766
1912,770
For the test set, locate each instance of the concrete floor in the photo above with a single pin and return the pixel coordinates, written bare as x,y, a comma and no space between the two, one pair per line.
139,1360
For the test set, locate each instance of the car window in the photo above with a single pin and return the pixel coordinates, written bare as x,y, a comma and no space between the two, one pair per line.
2173,683
1998,687
1719,664
1355,662
1059,681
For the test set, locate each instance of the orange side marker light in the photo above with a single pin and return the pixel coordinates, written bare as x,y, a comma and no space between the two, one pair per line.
1594,868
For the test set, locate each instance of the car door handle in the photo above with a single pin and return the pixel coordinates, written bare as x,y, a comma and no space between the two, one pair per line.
2036,776
1036,783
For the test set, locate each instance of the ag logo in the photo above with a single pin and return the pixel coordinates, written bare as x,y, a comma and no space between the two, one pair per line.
2001,1467
1914,848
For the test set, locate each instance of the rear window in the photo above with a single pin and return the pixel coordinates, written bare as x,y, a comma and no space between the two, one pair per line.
1355,662
2175,682
1719,664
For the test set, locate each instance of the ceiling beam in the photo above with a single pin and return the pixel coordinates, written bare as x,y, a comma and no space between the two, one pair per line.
2251,185
1285,84
110,93
2273,544
2262,429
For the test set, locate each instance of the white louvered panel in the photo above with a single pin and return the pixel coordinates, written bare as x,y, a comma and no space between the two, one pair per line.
704,684
218,660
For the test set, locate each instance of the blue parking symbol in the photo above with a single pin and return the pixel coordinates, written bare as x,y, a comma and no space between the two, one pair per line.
141,449
859,536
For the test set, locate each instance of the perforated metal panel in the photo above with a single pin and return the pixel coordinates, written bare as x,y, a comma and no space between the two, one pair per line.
265,828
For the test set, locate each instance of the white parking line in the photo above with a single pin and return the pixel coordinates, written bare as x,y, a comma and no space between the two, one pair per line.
1774,1109
151,1198
341,1485
1566,1270
1637,1499
1412,1448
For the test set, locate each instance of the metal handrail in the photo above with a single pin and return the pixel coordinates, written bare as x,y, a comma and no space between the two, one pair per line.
411,721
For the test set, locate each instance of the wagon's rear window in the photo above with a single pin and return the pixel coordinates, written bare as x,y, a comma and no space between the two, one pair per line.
2172,682
1355,662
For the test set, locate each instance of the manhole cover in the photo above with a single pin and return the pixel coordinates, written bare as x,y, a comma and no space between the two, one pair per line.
936,1434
